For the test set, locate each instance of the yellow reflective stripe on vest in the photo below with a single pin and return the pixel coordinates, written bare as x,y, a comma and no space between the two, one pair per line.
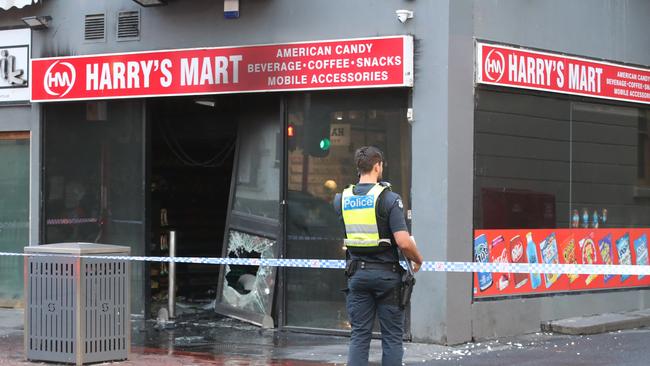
360,217
360,228
365,243
359,243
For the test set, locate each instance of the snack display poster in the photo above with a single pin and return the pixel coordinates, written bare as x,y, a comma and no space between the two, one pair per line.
558,246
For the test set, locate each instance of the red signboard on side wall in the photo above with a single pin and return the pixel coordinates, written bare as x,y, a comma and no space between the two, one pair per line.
527,69
355,63
561,246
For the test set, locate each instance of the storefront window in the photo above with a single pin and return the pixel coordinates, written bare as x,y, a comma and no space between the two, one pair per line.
324,131
605,165
559,181
93,178
14,213
540,160
522,168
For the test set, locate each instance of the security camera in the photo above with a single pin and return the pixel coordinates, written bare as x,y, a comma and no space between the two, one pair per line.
403,15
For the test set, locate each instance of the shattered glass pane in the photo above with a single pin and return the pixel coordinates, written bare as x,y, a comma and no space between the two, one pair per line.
249,288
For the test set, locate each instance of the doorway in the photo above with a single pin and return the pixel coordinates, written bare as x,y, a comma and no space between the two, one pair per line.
192,149
214,179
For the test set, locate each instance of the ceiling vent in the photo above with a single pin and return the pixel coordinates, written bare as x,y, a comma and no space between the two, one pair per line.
128,25
95,28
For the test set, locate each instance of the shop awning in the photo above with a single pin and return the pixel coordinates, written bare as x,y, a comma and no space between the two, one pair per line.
8,4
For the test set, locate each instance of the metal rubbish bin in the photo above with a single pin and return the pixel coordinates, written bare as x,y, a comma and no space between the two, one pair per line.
77,310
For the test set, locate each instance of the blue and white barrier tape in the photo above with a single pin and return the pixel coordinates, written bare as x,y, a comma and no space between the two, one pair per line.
436,266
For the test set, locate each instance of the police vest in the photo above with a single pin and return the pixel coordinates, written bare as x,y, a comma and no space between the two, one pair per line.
360,219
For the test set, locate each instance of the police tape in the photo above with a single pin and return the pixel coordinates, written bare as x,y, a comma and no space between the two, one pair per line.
429,266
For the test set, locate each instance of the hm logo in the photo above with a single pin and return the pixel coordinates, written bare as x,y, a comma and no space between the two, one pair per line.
59,79
494,66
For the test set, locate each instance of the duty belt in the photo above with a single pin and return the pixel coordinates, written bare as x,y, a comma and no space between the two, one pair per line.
393,267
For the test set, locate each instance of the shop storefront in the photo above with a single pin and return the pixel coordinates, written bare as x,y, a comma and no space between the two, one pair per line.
498,119
561,176
197,148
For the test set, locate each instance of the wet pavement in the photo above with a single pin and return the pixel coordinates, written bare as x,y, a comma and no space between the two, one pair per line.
205,338
221,341
195,338
207,333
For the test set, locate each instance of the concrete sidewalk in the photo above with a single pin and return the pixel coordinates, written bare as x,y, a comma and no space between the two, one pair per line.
210,333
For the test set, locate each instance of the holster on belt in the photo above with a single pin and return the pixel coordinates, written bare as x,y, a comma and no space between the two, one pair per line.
350,268
406,289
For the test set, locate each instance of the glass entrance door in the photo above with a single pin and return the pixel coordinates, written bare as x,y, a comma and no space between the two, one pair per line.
253,226
14,213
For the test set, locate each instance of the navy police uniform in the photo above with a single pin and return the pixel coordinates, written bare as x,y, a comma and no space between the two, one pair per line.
373,288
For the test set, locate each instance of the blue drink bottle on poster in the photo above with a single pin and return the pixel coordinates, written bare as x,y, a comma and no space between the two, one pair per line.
482,255
531,253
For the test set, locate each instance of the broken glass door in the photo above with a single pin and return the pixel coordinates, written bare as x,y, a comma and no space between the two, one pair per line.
246,292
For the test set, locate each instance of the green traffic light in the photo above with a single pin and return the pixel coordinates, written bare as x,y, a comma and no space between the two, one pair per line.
325,144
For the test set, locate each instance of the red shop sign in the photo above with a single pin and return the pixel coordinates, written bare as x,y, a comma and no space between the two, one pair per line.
521,68
340,64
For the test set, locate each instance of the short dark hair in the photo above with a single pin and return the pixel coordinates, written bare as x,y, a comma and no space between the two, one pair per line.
366,157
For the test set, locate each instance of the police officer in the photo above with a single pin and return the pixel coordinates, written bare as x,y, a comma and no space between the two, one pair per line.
375,227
